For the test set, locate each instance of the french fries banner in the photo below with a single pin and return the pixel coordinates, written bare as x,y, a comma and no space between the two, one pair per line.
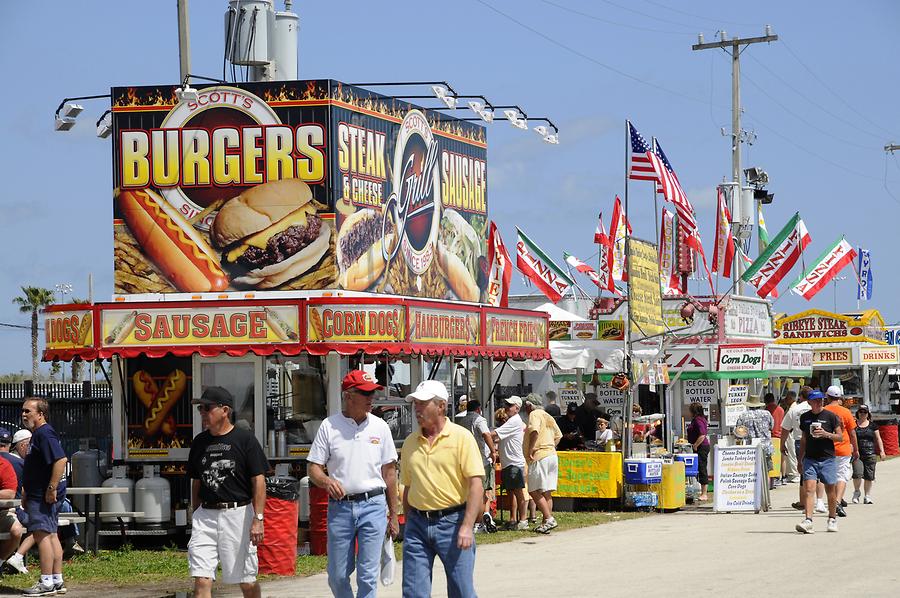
298,185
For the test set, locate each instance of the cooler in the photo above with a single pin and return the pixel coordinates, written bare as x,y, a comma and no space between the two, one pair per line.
643,471
691,464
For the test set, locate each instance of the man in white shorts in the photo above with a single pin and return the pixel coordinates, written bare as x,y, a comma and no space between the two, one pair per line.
227,467
541,437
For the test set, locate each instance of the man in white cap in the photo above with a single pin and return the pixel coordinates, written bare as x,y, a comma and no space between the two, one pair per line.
441,470
847,449
20,441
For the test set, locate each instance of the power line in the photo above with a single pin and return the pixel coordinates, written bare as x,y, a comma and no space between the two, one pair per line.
591,59
878,136
712,20
650,16
616,23
4,324
834,93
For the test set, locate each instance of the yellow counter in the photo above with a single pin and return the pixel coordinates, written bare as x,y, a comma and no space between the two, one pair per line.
588,474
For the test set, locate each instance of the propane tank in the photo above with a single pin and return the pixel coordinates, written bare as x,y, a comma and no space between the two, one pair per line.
88,470
118,502
153,496
303,500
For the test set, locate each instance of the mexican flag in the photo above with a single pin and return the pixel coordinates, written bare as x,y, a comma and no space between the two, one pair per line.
824,269
780,255
540,269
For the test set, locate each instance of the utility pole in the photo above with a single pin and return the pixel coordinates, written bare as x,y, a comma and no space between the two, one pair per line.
184,41
891,147
734,47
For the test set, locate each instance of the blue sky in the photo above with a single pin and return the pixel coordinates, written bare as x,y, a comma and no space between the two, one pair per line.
822,102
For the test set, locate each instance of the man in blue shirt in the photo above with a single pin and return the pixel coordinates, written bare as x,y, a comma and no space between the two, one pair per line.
45,489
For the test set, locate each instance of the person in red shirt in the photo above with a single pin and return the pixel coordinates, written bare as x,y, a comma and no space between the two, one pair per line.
846,451
9,485
777,413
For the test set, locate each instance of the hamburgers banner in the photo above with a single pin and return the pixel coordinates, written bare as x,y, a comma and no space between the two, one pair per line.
296,186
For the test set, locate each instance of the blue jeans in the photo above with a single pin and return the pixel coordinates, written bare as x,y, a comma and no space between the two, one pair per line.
424,538
364,521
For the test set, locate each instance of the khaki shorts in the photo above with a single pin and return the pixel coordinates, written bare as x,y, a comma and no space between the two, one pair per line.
222,536
489,475
542,474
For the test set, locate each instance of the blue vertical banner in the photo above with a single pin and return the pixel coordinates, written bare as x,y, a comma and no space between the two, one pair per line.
866,280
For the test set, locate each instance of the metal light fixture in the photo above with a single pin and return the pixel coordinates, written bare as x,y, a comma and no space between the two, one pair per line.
68,110
757,176
104,125
548,134
516,119
186,93
482,110
443,94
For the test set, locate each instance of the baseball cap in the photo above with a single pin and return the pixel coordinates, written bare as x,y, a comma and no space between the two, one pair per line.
834,391
360,380
429,389
864,408
571,408
215,395
21,435
514,400
534,399
5,436
815,395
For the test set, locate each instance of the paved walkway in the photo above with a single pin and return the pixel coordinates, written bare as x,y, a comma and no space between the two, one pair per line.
691,553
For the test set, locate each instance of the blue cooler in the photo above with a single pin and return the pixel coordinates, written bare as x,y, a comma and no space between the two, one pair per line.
691,464
643,471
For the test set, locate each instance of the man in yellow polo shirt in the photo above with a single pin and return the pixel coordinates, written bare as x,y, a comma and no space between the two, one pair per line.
441,470
541,437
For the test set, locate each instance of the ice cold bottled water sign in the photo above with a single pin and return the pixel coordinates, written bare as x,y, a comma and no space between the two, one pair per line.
700,391
737,478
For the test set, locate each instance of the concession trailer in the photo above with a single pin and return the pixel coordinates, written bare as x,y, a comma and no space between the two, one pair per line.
270,237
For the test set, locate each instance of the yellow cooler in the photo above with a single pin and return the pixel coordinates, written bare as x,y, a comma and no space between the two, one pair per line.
671,493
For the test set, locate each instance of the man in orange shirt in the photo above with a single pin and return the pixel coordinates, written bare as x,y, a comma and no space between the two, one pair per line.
847,449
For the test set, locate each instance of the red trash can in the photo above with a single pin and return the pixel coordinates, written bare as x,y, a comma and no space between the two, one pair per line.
889,439
318,520
278,550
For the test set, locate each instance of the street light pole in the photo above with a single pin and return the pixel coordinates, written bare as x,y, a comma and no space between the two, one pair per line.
184,41
734,47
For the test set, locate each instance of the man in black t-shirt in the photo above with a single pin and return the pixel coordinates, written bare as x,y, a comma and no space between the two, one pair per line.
821,429
571,432
227,467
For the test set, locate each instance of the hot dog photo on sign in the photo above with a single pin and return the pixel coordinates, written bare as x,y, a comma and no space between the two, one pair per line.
219,195
158,408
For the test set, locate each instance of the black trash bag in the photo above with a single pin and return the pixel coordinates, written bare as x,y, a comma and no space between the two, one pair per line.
283,488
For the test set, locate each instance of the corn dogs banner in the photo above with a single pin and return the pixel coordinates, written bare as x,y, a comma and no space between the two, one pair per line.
299,185
200,325
69,329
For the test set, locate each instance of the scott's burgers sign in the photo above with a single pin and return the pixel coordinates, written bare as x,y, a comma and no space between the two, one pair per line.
296,186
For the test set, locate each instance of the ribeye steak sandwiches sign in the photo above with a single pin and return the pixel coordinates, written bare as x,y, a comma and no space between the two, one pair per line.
296,186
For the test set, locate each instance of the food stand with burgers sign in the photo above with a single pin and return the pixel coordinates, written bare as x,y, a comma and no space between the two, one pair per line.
271,237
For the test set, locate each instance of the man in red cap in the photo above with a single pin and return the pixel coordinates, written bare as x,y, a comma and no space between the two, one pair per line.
358,451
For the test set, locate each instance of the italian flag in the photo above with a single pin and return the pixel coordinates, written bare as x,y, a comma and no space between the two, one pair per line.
824,269
540,269
780,255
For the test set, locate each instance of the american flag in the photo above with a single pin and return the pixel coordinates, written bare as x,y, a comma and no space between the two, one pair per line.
641,168
671,189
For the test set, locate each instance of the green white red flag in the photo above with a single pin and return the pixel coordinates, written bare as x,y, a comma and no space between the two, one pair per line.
540,269
763,241
723,252
824,269
780,255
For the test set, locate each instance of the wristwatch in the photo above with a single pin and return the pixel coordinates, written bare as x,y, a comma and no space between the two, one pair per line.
259,516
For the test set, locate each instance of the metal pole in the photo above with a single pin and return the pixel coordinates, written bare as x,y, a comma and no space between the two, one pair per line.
184,42
626,436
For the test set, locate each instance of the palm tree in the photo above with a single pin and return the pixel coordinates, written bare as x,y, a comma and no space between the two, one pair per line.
33,300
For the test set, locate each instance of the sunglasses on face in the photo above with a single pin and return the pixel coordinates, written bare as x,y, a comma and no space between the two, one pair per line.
205,408
364,393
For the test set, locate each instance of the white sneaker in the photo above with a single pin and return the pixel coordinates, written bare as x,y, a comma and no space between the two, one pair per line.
855,499
521,526
868,500
832,525
17,562
478,528
805,527
820,507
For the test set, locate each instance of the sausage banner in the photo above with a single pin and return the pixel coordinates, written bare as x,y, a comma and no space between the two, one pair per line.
300,185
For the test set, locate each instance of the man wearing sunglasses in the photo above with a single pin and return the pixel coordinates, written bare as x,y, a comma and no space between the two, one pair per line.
359,453
227,467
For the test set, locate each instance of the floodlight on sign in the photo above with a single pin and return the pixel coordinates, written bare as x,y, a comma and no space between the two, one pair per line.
552,139
64,123
104,125
443,94
542,130
186,93
516,119
71,110
484,112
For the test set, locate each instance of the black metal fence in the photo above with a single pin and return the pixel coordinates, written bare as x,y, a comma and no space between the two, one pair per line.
84,415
